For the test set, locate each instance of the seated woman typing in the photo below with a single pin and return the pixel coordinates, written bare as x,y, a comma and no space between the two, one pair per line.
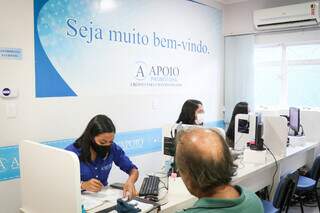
97,151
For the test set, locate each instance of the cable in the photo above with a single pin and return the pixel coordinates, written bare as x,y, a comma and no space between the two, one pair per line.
241,162
302,133
275,160
167,191
164,185
163,188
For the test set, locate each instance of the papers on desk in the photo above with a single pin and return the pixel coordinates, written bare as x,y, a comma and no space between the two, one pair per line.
106,194
91,200
145,207
108,198
89,203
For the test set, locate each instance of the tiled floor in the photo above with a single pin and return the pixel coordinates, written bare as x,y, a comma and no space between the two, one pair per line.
296,209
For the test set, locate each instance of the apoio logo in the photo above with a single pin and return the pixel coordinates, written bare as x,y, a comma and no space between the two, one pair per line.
163,73
142,68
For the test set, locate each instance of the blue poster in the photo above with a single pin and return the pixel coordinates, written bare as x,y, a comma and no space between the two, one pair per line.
134,143
9,163
82,47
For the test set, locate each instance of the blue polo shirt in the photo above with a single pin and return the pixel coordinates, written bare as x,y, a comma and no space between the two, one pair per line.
100,168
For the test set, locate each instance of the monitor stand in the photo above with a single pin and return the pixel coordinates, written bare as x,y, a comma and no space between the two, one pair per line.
255,147
258,146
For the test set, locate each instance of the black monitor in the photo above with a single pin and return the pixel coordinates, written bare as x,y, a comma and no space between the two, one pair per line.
294,120
169,146
258,134
243,126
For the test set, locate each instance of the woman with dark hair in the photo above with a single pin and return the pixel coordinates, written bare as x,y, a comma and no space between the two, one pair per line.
97,151
192,113
240,108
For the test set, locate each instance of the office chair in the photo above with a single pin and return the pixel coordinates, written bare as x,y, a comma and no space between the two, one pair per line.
283,195
309,184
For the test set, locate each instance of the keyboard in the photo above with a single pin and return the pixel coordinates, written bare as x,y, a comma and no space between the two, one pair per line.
150,186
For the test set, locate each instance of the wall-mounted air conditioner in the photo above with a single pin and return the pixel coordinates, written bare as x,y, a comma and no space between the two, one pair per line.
291,16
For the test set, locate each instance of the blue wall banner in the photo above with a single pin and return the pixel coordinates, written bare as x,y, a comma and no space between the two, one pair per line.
82,47
9,163
140,142
49,82
134,143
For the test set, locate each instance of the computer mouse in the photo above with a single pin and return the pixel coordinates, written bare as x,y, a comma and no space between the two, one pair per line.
152,198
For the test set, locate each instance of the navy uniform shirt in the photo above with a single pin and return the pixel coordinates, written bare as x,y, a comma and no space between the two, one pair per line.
100,168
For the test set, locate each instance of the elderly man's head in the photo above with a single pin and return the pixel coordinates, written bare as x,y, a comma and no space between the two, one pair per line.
204,160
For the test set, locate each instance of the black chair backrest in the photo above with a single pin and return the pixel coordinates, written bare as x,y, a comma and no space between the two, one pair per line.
315,170
285,191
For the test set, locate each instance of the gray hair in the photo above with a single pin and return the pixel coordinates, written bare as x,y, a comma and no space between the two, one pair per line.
208,170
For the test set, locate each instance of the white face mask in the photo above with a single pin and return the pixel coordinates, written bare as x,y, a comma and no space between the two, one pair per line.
199,118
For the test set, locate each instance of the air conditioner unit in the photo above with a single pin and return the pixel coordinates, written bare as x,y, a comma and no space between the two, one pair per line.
291,16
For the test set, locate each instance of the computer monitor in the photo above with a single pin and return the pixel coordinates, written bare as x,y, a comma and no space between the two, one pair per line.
294,120
50,179
169,146
258,133
243,126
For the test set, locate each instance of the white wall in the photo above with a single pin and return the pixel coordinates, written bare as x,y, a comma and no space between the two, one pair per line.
59,118
238,17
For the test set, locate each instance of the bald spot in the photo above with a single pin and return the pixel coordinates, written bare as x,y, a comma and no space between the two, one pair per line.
204,141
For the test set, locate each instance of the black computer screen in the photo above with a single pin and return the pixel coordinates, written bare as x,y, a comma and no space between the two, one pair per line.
243,126
294,119
259,132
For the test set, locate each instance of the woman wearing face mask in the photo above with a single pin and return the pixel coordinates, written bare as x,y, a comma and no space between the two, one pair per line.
192,113
97,151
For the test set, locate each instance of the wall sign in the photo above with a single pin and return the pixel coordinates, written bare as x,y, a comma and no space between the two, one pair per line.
10,53
82,47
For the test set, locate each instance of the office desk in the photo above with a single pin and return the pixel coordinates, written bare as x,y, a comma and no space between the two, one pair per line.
297,157
249,175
